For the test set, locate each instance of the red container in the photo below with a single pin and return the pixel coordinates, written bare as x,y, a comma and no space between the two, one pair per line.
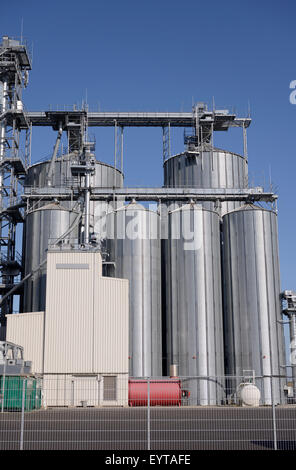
162,392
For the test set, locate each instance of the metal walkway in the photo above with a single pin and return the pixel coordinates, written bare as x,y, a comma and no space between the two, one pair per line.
220,119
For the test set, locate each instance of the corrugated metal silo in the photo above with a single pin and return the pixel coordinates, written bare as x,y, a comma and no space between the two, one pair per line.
252,311
105,175
207,169
134,245
42,227
194,300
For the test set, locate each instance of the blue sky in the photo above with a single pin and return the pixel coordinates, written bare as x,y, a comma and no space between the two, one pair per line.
161,56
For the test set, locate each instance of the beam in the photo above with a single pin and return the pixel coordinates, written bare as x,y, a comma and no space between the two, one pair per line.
155,194
221,120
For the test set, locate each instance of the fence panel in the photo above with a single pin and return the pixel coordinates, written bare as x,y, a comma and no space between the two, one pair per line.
14,398
86,412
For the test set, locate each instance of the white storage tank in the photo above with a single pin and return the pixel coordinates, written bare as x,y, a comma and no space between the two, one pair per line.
249,395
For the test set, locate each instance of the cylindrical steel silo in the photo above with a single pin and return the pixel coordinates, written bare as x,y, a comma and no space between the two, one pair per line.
43,227
207,169
193,305
133,242
105,176
252,310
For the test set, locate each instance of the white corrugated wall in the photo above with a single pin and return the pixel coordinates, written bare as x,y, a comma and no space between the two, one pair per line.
111,325
86,317
69,313
26,329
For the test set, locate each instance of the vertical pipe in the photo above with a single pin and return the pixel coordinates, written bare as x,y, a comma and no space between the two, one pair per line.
86,208
245,142
201,143
53,158
148,414
196,122
163,143
115,152
293,351
169,140
115,161
212,146
273,417
263,306
166,141
30,144
201,304
121,159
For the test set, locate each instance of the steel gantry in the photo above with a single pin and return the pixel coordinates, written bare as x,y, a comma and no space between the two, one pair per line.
15,63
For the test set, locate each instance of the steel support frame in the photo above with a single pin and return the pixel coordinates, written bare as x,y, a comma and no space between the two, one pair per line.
118,148
14,158
221,119
166,141
151,194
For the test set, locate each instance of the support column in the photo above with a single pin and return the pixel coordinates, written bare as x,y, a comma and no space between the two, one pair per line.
245,142
166,141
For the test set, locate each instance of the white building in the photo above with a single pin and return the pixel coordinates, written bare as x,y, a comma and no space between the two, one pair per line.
80,342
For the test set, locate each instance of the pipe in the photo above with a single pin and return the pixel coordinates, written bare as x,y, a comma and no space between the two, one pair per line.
68,231
41,264
53,158
86,208
22,282
293,351
264,325
173,370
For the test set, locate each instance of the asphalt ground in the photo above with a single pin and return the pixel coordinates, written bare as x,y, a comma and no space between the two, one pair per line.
169,428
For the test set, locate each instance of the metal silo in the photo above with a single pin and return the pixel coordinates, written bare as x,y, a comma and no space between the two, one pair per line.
207,169
193,306
134,246
43,227
105,176
252,310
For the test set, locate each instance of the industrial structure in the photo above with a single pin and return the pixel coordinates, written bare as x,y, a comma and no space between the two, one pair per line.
87,320
203,270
